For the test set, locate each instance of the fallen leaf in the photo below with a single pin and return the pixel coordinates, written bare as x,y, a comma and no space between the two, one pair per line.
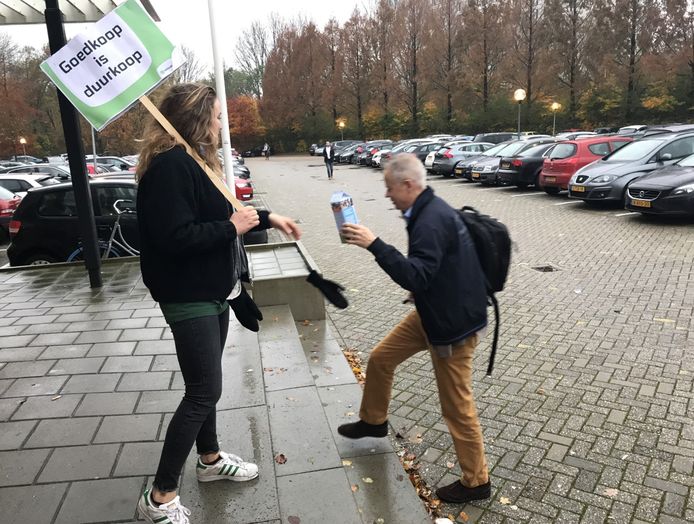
415,439
280,458
355,488
514,507
268,370
379,520
463,516
505,501
293,520
398,435
449,465
346,462
306,322
540,391
611,492
349,414
368,480
56,397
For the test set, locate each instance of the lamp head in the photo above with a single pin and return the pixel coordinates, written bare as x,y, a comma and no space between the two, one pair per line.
556,106
22,140
519,95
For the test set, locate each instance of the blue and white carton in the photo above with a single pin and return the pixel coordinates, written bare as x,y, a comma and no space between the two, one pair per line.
343,210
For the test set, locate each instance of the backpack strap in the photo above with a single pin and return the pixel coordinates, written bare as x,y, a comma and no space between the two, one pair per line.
494,302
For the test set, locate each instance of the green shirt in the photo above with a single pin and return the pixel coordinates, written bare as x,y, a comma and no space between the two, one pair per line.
177,311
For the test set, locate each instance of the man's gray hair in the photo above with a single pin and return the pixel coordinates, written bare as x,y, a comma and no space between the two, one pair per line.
406,166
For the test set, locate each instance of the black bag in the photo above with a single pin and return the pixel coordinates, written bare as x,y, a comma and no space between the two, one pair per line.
493,247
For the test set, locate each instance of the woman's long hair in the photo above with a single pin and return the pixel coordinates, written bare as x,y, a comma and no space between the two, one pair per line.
189,109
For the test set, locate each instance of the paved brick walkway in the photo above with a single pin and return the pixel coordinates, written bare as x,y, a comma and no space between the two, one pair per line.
589,416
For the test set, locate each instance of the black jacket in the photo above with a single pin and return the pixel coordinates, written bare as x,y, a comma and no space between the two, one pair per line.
186,238
331,157
441,270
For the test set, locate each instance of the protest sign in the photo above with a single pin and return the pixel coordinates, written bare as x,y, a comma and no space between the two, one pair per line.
106,69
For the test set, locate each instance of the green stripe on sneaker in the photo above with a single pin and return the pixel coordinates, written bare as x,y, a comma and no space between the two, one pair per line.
223,471
233,471
162,520
200,465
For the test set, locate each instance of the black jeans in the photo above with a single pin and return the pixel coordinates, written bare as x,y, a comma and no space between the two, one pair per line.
329,166
199,346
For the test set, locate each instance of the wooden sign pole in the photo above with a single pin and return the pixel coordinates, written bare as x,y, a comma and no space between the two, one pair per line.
219,184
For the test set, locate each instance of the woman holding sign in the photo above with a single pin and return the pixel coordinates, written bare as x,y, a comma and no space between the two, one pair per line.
193,263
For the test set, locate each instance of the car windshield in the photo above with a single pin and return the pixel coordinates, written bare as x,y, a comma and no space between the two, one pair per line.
6,194
494,150
535,151
512,149
635,150
562,151
687,161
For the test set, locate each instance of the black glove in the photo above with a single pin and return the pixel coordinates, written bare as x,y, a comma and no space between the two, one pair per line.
246,311
331,290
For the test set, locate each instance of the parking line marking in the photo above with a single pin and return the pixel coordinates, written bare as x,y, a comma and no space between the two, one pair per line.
527,194
568,202
627,214
490,188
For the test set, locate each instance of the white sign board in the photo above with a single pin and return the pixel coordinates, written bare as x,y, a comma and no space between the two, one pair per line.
104,70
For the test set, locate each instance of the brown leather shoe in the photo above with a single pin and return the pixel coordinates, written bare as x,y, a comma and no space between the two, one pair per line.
456,493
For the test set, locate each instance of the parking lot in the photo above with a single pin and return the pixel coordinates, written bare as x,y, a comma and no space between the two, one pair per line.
588,413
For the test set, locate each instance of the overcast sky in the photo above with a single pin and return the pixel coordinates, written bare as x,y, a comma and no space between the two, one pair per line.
186,22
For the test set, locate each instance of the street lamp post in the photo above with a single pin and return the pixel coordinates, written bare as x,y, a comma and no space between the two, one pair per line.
23,141
556,106
341,125
519,96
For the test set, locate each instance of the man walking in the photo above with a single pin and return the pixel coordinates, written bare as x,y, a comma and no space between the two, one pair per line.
443,275
329,158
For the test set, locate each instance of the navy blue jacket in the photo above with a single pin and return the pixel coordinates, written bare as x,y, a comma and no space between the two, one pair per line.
441,270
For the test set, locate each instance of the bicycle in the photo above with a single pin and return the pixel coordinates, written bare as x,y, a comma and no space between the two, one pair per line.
116,246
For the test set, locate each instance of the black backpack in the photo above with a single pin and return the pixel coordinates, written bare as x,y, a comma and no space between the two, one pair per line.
493,246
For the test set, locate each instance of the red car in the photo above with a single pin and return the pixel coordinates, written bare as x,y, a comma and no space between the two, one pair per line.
8,203
568,157
244,189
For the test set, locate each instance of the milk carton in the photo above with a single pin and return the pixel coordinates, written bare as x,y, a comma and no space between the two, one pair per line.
343,210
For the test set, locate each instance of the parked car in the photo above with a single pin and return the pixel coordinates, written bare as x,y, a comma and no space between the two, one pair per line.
312,149
20,183
609,178
485,171
57,170
446,158
665,191
422,150
631,130
463,169
8,204
400,147
568,157
370,148
376,159
495,138
523,169
25,159
45,226
345,157
605,130
573,135
116,161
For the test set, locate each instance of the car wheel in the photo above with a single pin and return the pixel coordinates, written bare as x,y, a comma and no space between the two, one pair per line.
551,190
39,259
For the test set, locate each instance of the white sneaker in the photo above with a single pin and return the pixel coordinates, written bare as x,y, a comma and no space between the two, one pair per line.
170,513
229,467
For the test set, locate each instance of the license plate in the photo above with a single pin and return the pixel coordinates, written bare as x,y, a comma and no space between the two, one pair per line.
475,175
640,203
550,179
578,189
505,165
458,171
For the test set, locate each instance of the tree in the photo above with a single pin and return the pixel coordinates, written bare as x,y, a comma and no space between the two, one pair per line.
246,125
251,54
411,16
357,66
191,70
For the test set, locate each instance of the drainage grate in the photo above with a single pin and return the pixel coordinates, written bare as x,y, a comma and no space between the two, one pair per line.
545,269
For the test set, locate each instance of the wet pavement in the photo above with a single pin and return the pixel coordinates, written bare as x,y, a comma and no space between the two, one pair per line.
589,416
88,382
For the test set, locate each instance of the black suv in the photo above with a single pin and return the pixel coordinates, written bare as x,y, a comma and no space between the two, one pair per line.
45,227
